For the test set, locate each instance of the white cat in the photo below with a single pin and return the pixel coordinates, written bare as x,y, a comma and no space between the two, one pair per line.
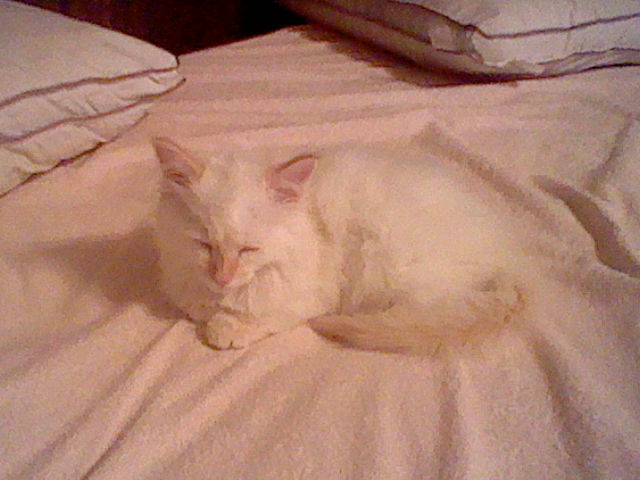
373,250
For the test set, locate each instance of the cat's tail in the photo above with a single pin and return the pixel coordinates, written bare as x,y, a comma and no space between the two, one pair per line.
420,331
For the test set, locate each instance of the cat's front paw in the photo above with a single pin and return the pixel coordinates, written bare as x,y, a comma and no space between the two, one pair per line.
226,331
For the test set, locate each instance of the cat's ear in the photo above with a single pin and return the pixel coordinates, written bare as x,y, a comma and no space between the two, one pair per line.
179,166
286,182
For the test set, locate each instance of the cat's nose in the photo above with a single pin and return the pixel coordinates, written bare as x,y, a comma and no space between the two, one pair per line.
222,280
223,267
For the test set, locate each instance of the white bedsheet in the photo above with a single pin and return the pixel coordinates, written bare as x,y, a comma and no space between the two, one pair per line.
100,379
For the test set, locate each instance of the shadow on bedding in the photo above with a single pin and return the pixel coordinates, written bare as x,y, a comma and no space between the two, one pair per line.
123,268
613,245
403,69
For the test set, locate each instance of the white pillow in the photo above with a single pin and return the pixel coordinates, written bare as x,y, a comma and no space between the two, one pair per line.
514,38
68,86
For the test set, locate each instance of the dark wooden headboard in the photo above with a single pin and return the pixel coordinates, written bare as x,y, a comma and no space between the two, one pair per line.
179,26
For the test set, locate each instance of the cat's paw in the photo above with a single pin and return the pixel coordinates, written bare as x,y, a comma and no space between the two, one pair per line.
225,331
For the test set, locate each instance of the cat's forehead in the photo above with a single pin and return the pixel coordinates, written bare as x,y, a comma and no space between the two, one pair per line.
231,184
232,170
234,178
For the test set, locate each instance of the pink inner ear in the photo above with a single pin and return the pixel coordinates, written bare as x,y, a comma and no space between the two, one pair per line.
286,181
177,177
179,166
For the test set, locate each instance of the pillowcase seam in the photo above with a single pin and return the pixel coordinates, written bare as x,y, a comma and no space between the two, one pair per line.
81,82
142,99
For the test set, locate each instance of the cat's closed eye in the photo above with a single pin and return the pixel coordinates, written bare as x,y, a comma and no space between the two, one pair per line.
205,244
209,247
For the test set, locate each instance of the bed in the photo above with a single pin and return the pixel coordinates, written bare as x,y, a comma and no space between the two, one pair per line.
100,378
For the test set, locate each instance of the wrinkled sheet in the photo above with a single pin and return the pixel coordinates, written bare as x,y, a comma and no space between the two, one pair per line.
101,379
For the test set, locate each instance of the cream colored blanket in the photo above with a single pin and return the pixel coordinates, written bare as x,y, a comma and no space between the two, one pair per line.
100,379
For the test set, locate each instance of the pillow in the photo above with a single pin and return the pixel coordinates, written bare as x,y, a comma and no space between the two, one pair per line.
68,86
518,38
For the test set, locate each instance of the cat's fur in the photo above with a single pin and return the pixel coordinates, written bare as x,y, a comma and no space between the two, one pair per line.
373,250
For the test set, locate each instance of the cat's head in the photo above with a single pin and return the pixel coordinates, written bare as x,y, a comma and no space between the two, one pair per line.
247,210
